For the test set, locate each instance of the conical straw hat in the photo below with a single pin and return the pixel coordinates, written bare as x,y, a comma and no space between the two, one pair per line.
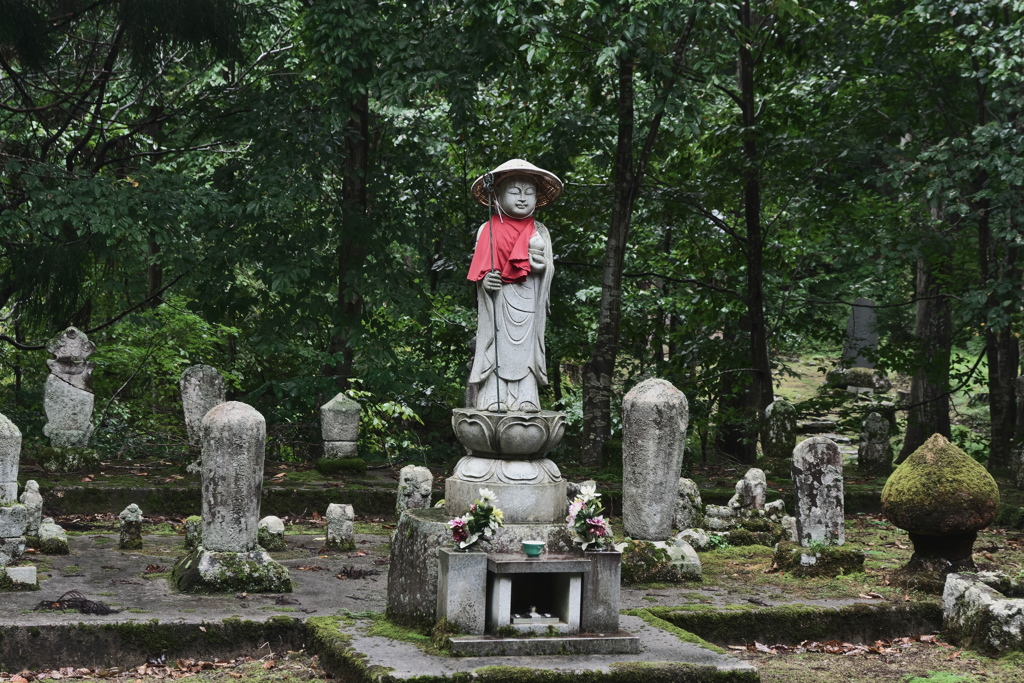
549,187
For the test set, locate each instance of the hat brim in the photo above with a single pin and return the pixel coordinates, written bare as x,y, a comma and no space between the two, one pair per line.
549,187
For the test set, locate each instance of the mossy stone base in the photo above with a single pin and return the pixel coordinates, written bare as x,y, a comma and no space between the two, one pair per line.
645,562
61,460
54,546
269,541
343,546
329,466
206,571
131,536
791,558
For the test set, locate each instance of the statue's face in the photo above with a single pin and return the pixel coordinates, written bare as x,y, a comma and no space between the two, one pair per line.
518,197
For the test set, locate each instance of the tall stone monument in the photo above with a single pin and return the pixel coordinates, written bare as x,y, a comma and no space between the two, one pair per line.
202,388
10,458
68,399
861,335
818,492
654,419
230,558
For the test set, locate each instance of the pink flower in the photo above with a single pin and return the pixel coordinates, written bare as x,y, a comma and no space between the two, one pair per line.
459,531
597,526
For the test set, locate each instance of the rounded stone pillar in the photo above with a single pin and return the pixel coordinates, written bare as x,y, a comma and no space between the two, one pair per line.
233,448
10,456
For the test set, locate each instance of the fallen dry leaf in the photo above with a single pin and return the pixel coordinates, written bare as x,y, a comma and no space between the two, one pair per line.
954,655
269,664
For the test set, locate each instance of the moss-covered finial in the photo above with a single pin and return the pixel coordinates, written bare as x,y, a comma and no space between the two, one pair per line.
942,497
940,489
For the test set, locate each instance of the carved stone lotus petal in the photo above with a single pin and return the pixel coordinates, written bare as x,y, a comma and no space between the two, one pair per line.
514,436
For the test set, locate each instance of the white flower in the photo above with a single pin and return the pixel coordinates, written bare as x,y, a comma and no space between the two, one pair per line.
588,492
487,497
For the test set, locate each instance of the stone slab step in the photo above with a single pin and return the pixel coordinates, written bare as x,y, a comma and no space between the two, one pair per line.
621,643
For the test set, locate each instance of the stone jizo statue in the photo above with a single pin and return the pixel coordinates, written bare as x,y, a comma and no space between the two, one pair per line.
513,266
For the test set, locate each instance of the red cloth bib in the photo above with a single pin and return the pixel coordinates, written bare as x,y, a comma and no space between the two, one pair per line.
511,249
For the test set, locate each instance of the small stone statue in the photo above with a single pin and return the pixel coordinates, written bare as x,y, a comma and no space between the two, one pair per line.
513,266
131,528
68,398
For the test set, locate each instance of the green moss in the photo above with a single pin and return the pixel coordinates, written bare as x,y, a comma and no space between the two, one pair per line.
940,489
269,541
332,466
830,560
644,563
232,573
54,546
792,624
683,635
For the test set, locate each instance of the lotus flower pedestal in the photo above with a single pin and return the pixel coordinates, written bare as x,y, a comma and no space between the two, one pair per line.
508,457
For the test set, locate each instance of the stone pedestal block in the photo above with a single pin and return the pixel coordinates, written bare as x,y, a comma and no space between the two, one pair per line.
599,601
528,491
818,492
202,388
462,589
654,419
23,577
232,470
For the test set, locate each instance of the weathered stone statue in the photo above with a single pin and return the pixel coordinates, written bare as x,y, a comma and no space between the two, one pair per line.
506,432
68,398
513,267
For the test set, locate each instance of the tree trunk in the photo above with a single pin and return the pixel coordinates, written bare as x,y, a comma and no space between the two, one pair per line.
154,275
352,248
929,388
600,368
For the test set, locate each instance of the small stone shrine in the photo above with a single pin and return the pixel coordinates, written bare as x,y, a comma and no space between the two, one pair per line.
202,388
339,427
507,437
654,419
747,519
131,528
820,521
414,488
68,398
229,558
874,453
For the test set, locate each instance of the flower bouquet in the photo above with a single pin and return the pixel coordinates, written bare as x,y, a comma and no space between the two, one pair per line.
482,520
586,520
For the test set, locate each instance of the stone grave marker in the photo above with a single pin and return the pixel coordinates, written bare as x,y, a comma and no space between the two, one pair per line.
131,528
339,427
202,388
33,503
654,419
874,454
340,523
779,430
414,488
10,457
818,491
229,558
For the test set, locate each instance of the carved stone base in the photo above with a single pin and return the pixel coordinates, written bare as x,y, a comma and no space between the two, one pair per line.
511,435
528,491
